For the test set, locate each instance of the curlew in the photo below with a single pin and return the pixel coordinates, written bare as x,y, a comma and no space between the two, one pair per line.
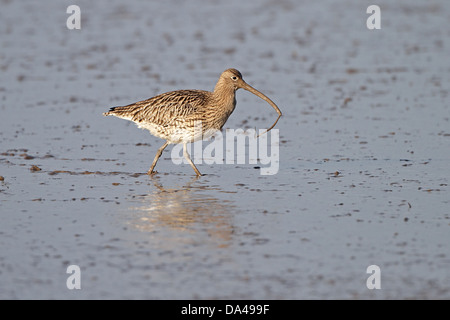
176,116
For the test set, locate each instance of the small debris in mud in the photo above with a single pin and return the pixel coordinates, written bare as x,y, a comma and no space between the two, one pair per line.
334,174
58,171
26,156
2,178
346,101
352,71
135,175
35,168
55,172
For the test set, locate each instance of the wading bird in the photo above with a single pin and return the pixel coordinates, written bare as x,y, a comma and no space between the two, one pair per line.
175,116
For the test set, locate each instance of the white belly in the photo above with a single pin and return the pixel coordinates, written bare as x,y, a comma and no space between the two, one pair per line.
178,134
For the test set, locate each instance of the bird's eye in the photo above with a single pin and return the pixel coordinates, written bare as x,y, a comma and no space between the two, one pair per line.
234,78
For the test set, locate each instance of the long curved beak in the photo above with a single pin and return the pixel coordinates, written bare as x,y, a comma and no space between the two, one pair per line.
246,86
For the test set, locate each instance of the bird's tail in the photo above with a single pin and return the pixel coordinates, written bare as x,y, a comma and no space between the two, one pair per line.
110,112
125,112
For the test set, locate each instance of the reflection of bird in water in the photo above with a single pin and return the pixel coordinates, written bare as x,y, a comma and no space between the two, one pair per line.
185,209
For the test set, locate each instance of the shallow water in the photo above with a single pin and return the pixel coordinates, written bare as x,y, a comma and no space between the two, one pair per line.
364,152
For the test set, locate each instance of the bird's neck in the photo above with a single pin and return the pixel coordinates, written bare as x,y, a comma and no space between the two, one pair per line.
224,96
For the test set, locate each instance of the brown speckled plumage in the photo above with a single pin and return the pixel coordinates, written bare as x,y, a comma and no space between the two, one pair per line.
176,115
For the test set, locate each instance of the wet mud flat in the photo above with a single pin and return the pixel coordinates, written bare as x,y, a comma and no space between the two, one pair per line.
364,153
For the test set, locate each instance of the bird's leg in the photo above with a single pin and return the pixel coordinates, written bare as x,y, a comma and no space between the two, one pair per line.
186,155
158,154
